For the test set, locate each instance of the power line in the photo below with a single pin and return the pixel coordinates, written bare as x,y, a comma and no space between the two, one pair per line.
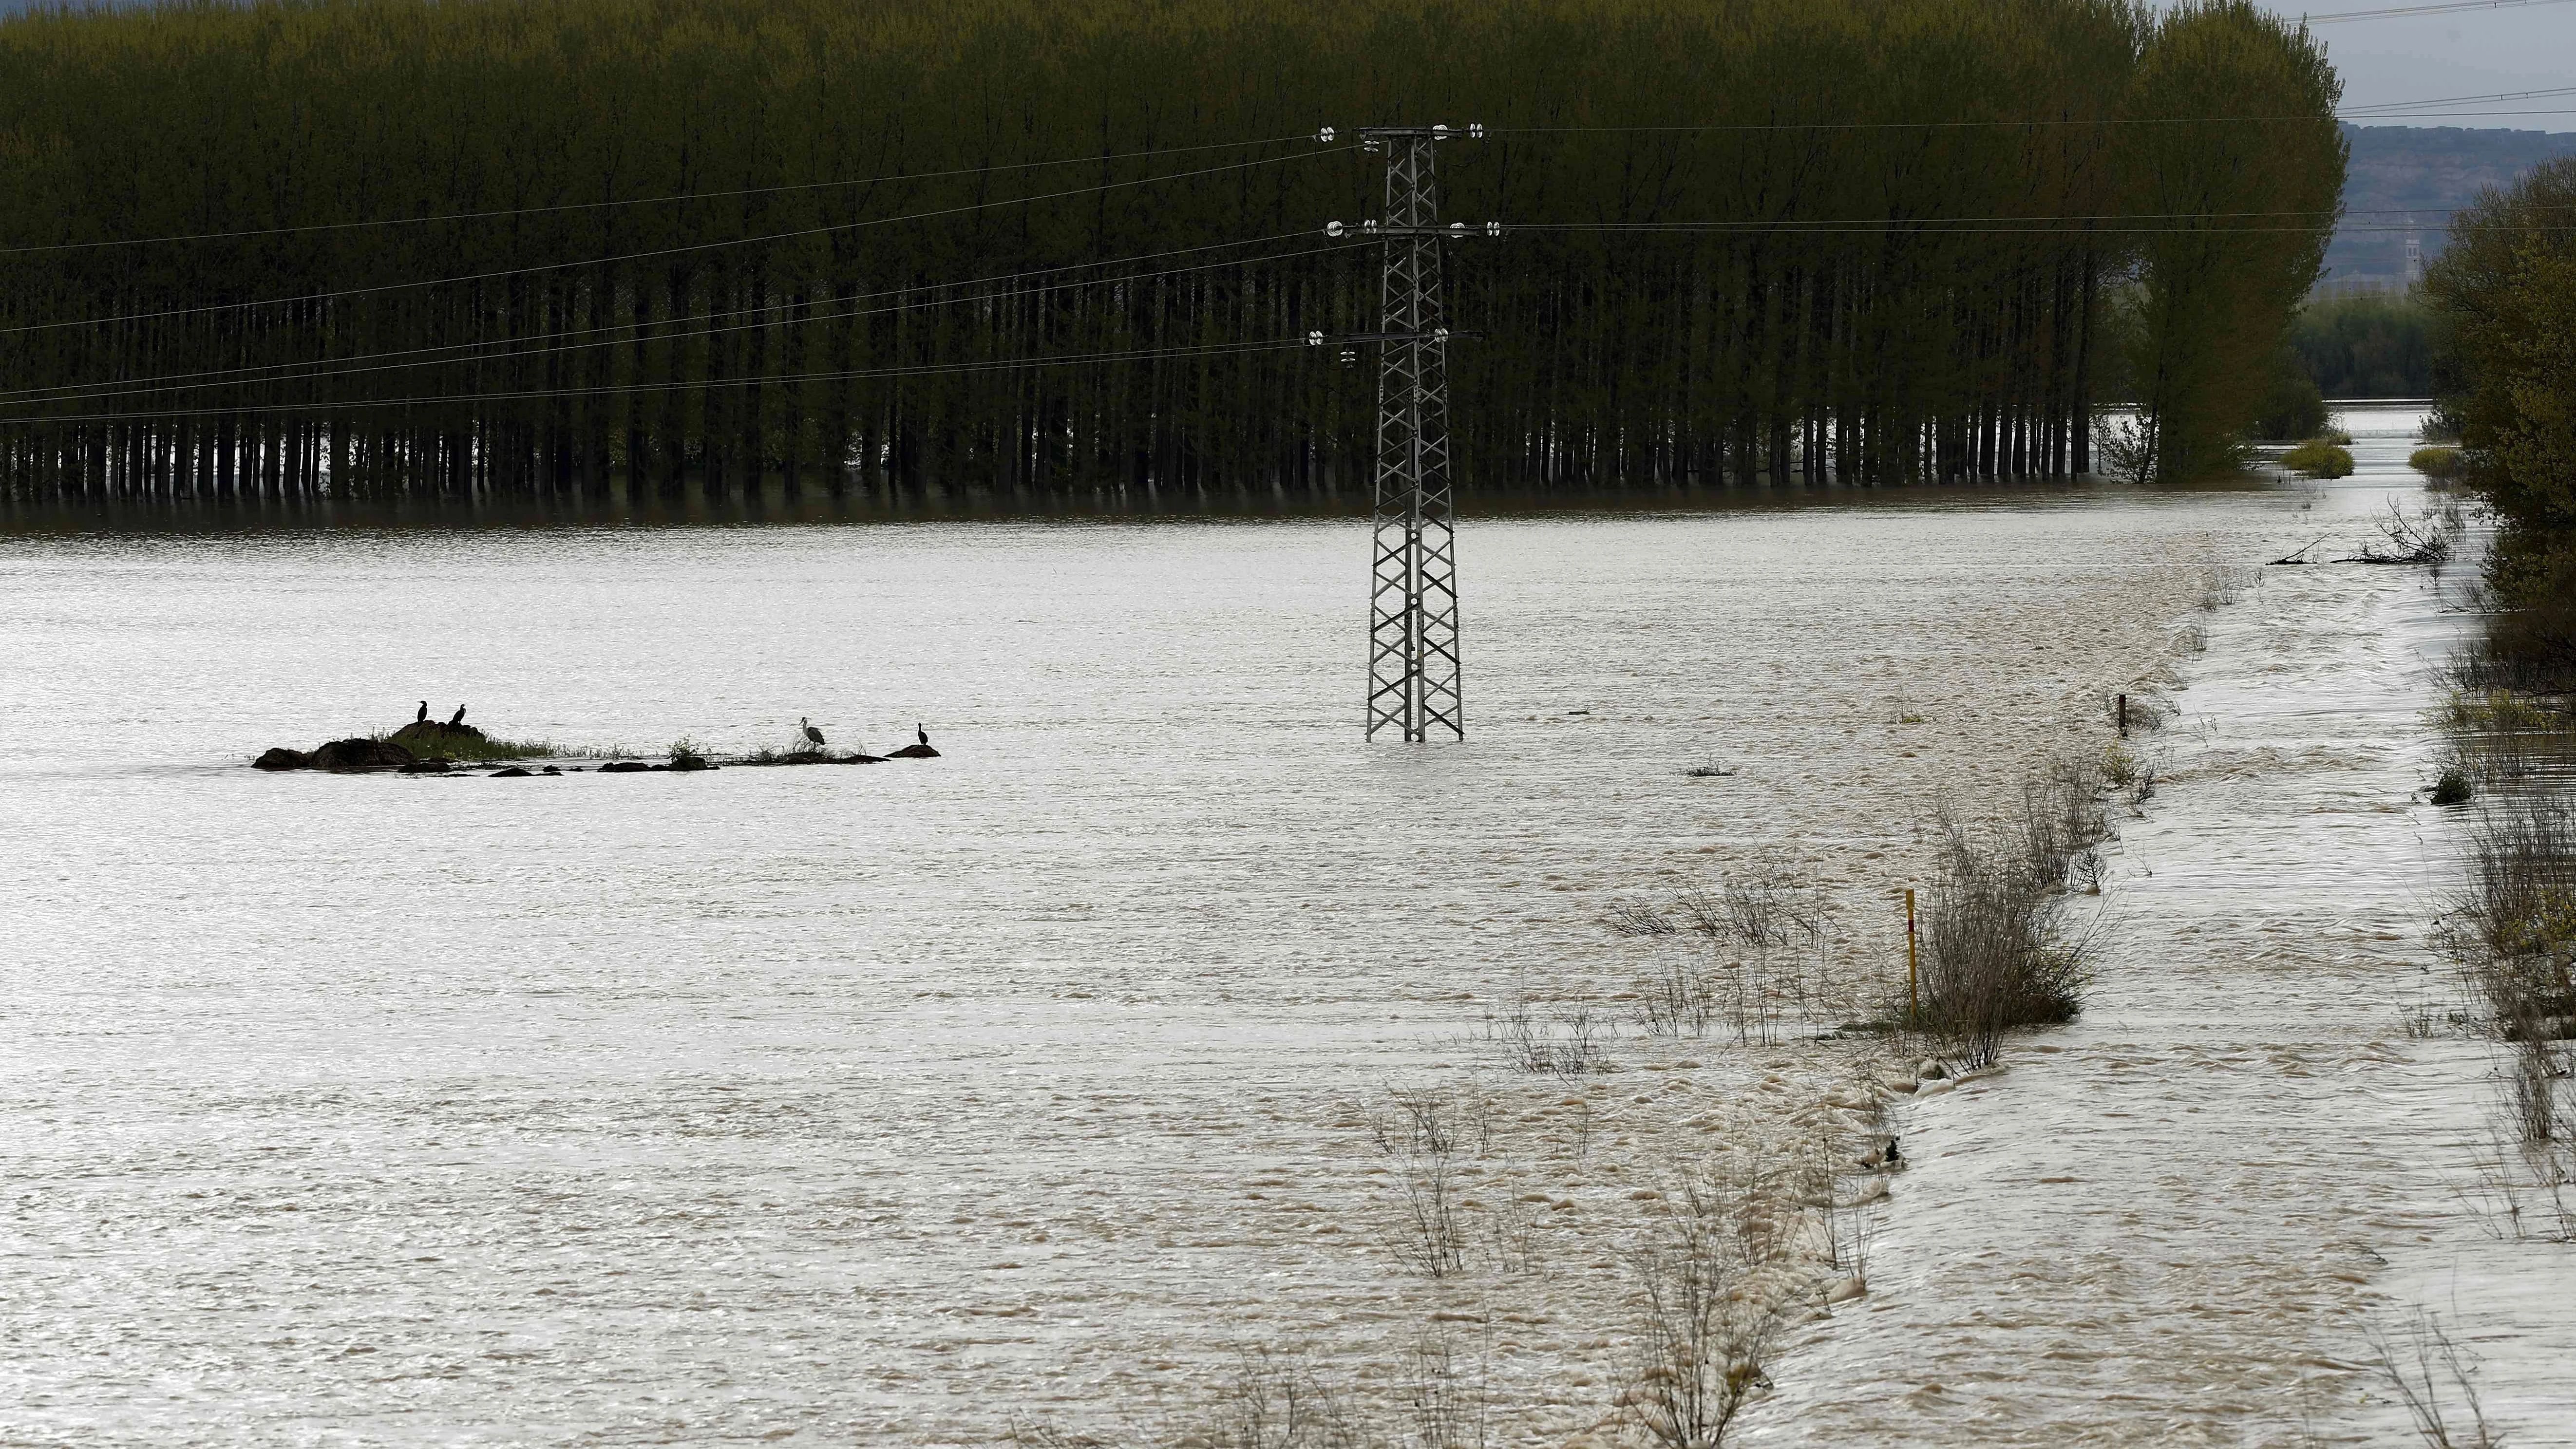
677,197
2399,110
660,251
891,177
1934,226
2462,100
1226,349
547,347
2083,218
2340,16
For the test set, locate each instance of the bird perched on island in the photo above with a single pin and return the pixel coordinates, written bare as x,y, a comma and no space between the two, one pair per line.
457,718
813,736
919,733
424,713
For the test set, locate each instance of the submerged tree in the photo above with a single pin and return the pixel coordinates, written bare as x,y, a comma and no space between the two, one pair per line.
1038,248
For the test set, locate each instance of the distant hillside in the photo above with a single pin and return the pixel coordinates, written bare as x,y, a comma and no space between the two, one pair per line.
2421,173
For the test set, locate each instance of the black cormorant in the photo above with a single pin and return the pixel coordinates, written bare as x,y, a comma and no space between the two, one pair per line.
424,712
457,718
919,733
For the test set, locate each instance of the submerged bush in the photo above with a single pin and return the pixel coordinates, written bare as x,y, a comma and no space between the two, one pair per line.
2435,462
2451,787
2319,459
1996,952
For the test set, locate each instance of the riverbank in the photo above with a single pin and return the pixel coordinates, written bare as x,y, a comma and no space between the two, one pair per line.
2184,1218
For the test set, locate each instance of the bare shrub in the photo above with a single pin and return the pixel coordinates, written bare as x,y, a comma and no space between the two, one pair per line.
2142,782
2224,584
2427,1371
1418,1132
1678,1000
1757,950
1568,1043
1706,1317
1578,1136
2526,1191
1511,1231
1996,954
1275,1399
1444,1409
1704,913
2421,539
2061,817
1635,916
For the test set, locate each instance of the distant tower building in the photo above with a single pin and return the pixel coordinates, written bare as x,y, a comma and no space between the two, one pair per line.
2414,260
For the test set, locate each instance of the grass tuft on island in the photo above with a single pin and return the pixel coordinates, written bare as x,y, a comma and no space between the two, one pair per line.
436,740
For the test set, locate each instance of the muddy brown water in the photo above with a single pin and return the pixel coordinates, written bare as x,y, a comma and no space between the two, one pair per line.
1028,1084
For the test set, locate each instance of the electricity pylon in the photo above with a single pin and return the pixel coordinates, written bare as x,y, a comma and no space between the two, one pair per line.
1414,676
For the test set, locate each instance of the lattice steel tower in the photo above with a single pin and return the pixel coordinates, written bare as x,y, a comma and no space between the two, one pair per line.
1413,677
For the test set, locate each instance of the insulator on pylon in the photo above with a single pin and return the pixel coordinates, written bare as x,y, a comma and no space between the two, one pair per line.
1332,228
1325,135
1493,228
1315,338
1475,130
1457,228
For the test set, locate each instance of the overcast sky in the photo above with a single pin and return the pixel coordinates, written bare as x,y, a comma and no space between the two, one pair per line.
2465,53
2417,57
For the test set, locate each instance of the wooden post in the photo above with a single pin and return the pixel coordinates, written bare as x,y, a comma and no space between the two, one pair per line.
1913,1004
2124,716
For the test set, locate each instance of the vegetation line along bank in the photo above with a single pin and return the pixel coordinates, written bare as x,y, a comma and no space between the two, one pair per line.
772,323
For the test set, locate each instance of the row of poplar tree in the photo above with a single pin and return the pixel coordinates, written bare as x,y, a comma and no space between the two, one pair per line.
1050,246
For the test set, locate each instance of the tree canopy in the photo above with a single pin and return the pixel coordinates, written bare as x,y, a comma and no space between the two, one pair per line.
540,244
2504,296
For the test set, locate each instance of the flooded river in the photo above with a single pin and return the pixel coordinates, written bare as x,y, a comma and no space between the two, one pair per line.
1031,1085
